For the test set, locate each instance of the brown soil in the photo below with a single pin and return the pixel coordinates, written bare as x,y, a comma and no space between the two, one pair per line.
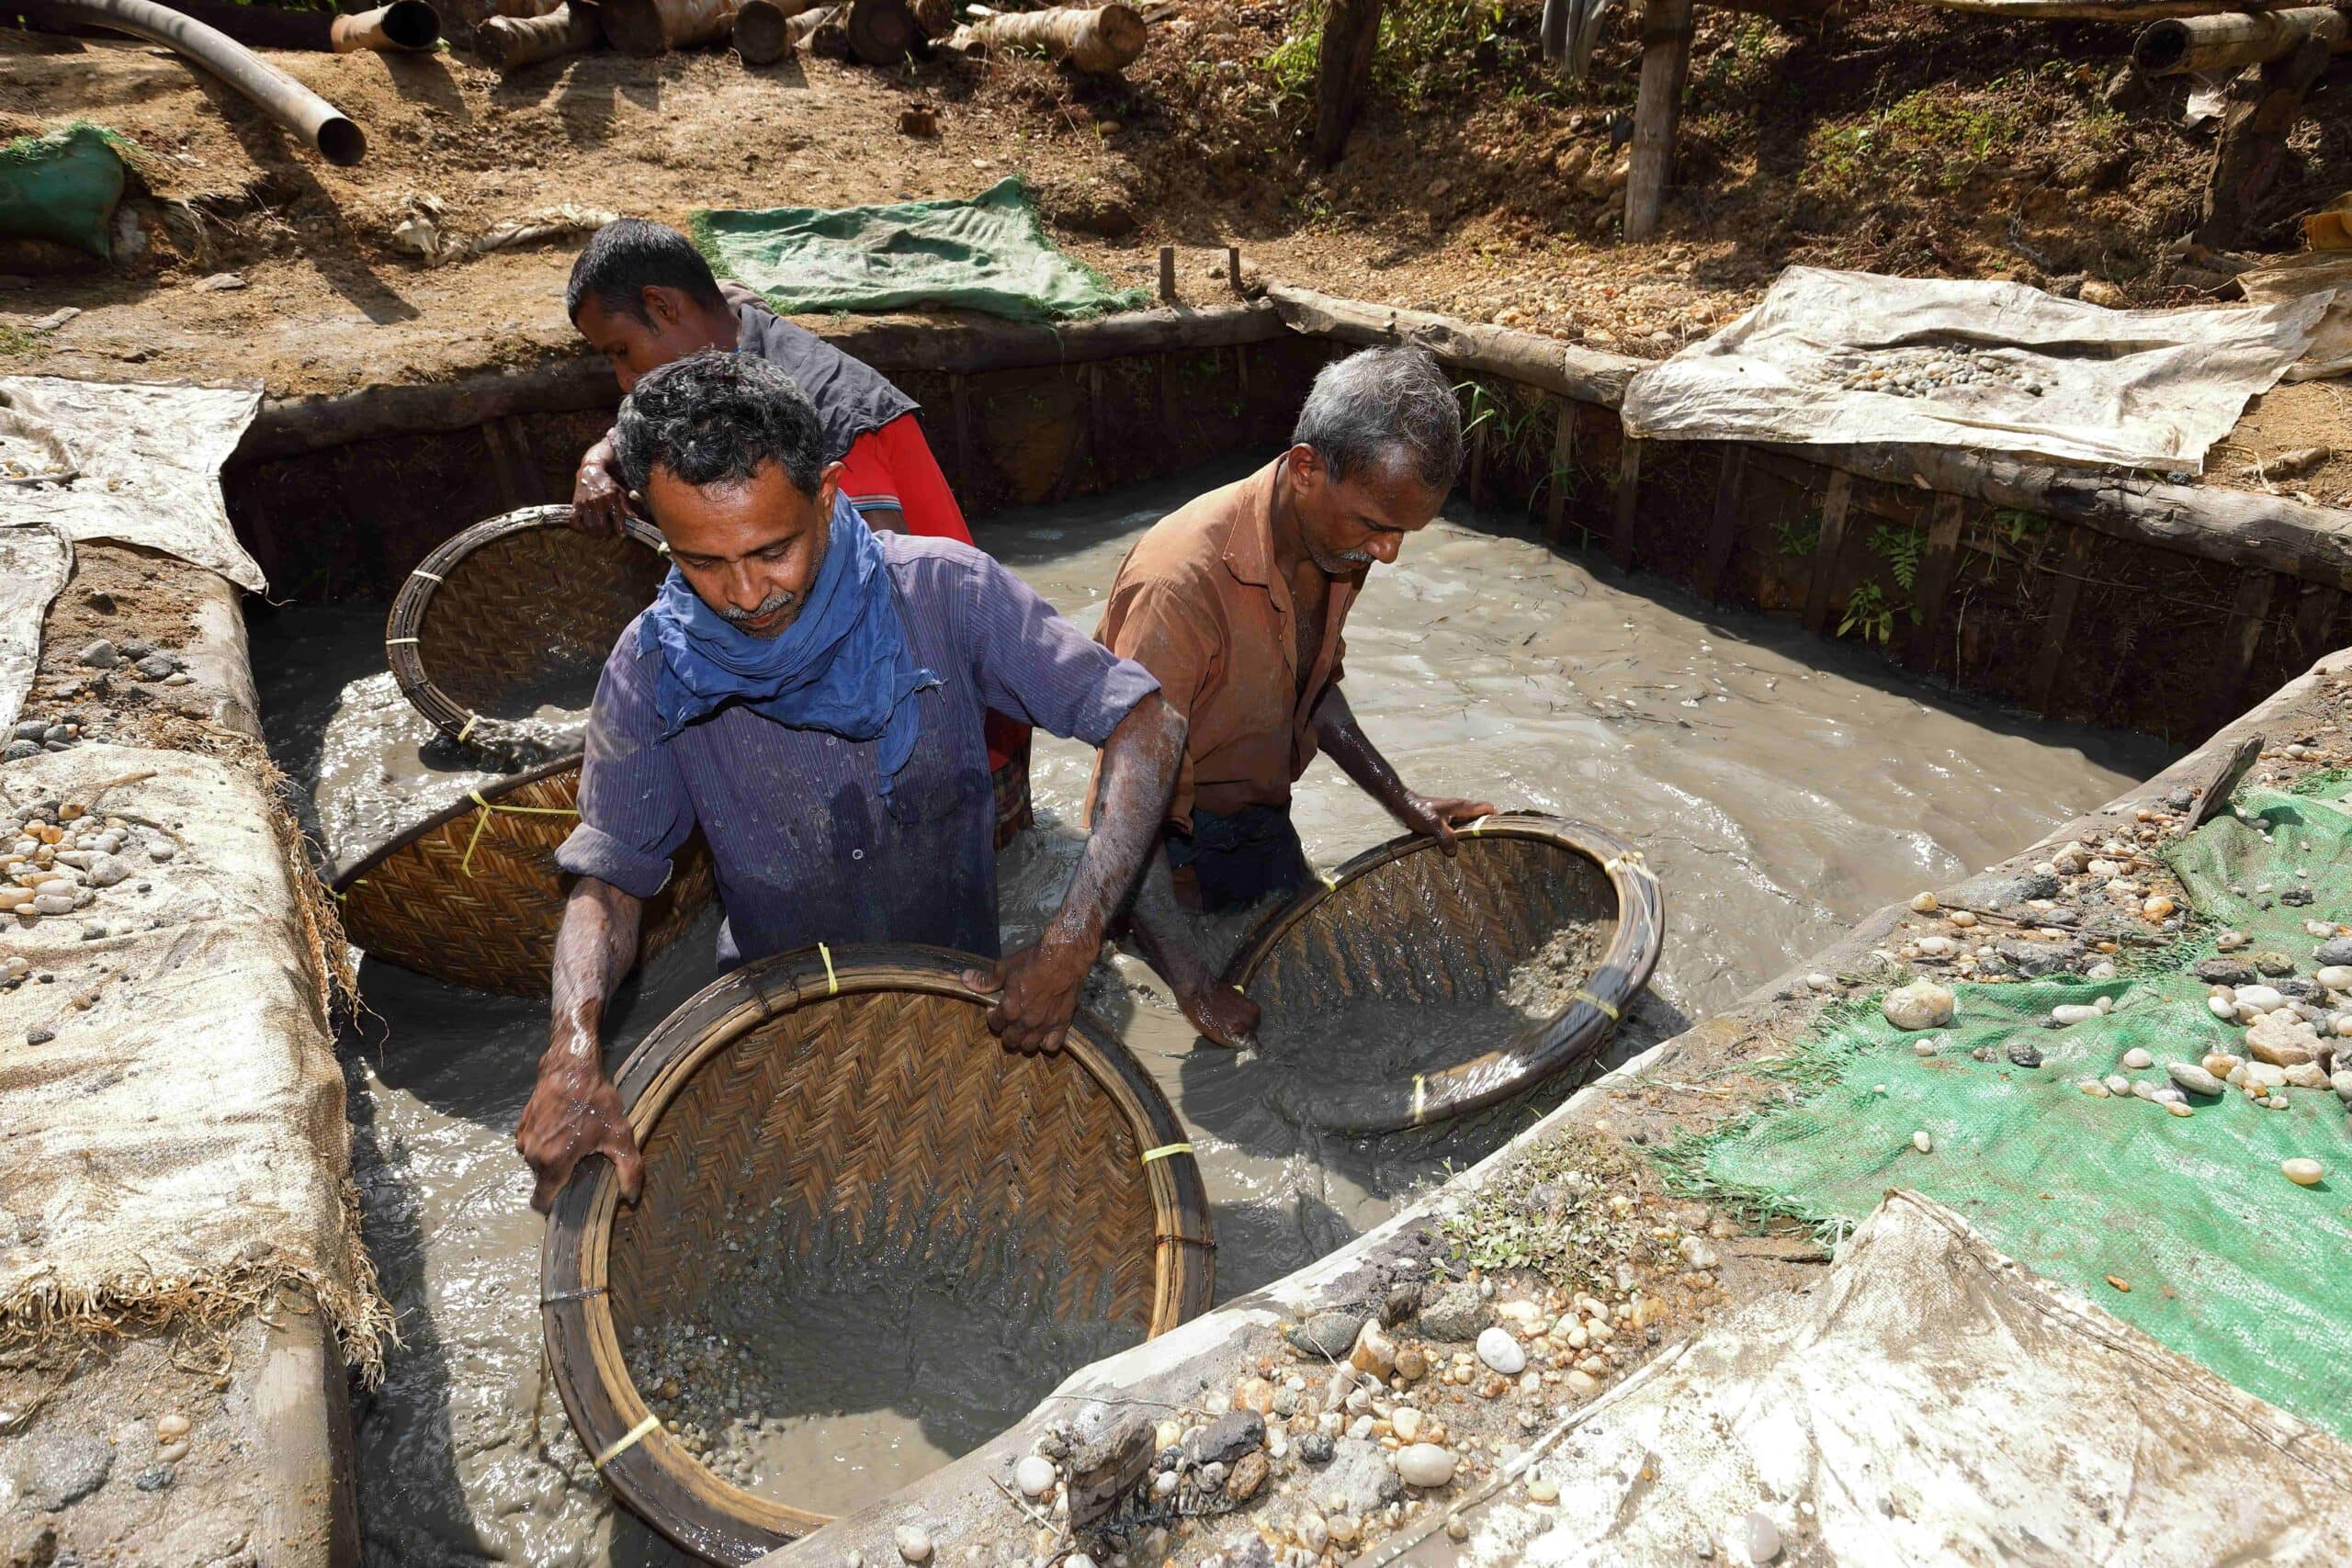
1897,138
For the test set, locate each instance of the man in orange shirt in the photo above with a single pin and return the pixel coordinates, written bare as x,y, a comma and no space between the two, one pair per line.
1236,602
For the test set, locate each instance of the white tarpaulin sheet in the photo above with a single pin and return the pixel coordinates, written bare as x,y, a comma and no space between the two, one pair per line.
172,1130
1929,1402
34,564
142,465
1847,358
2296,277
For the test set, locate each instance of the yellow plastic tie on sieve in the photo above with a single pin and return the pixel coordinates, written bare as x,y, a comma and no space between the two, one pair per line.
428,576
482,820
390,640
1584,996
635,1435
1331,883
1164,1151
1420,1095
471,719
832,981
1630,861
1469,828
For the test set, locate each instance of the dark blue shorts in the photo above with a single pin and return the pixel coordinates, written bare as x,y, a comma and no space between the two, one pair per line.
1233,860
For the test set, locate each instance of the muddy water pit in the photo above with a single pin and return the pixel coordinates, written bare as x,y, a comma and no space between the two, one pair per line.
1779,789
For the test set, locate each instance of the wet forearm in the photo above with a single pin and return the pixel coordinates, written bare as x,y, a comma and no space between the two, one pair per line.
1140,766
592,948
1343,741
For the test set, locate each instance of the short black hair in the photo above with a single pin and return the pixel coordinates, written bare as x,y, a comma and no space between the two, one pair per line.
629,255
716,418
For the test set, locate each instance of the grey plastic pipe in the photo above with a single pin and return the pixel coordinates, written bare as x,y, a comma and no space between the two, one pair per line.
285,100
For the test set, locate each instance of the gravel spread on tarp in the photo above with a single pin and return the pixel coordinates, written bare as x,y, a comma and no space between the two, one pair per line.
173,1149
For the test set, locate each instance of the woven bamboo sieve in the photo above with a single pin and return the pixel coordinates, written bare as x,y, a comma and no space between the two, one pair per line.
856,1089
1518,878
513,607
473,895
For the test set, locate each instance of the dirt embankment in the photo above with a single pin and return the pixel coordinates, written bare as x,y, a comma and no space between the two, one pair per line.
1480,184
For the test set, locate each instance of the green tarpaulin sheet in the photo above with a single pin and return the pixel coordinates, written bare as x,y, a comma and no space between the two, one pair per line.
989,253
2228,1261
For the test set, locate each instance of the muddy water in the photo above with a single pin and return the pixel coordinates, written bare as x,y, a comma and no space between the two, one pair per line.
1778,788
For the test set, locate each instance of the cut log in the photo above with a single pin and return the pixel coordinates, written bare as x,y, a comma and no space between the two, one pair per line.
875,32
657,27
1097,40
2263,107
763,35
1657,112
2192,45
2107,10
1350,35
936,18
512,42
404,26
1532,360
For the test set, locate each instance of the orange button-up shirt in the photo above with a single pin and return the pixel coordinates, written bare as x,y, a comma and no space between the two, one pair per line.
1198,603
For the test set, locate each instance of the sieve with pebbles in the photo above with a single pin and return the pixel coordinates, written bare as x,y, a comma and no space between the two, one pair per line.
62,856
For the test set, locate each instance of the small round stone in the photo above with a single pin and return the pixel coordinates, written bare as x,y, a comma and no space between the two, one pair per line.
1923,903
1501,1352
1759,1537
2136,1059
1034,1475
913,1542
2302,1172
1542,1489
1425,1464
1921,1142
171,1425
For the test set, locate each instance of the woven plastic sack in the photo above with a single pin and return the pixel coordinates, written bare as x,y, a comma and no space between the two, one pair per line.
62,187
2227,1261
989,253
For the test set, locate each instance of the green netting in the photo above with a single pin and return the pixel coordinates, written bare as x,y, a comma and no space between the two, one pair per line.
63,185
989,253
2229,1262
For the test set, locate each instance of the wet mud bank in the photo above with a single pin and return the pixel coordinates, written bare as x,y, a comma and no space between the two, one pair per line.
1487,662
2064,593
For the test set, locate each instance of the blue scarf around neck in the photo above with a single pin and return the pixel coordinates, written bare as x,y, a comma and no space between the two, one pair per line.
842,665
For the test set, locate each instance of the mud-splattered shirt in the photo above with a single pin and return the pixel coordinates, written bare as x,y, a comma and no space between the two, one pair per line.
805,849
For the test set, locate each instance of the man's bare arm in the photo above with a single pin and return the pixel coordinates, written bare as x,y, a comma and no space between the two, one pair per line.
1040,985
1345,741
1157,923
575,1111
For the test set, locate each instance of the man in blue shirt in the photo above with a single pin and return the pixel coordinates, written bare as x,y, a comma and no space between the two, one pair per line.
811,696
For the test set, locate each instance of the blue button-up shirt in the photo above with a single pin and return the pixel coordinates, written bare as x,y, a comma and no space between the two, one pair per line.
807,849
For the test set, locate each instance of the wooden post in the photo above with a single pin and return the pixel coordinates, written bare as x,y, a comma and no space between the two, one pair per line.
1350,33
1564,448
1168,274
1722,538
1666,61
2313,616
1233,269
2043,680
1932,588
1835,499
1629,482
2263,107
2249,610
